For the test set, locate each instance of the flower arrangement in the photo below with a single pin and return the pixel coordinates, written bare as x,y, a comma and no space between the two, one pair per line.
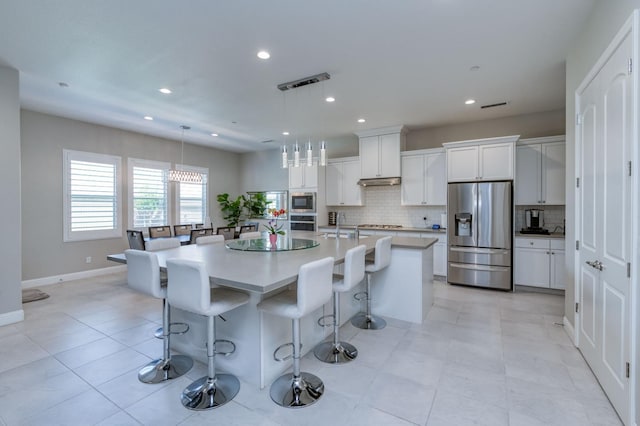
272,226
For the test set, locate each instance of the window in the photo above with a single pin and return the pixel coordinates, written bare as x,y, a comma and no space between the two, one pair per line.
148,193
92,201
192,198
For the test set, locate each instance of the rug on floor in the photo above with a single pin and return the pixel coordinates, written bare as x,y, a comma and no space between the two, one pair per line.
33,294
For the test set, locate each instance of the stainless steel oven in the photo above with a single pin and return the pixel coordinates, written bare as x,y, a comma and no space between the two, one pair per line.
303,202
303,222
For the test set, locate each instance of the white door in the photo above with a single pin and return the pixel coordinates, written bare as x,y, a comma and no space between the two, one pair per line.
553,168
528,169
605,139
412,186
435,179
333,179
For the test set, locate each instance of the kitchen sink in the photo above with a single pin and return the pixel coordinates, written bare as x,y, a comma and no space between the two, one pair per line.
343,236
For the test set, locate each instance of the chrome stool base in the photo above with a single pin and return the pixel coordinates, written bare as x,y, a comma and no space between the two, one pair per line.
368,323
290,392
204,394
331,353
160,370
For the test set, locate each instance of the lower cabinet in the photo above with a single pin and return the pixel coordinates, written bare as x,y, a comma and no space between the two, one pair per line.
539,262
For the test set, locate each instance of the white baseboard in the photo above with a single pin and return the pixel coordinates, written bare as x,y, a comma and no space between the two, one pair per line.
11,317
568,328
37,282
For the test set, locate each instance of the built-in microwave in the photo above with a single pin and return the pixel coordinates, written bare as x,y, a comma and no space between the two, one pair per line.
303,202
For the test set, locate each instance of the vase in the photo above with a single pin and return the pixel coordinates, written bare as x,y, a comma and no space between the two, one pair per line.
273,238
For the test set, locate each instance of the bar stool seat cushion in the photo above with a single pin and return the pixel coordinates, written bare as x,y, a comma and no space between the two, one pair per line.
190,290
354,272
382,255
143,273
307,298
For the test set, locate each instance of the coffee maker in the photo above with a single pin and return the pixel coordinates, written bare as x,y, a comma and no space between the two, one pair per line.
534,221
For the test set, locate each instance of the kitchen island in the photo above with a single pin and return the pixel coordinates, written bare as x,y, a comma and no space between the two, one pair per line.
406,286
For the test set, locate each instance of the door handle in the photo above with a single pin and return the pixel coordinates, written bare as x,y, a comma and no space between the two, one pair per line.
596,264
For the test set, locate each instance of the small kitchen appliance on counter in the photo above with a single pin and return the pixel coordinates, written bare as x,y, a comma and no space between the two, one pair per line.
534,221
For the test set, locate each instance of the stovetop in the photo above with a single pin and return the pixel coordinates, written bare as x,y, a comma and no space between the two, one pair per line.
368,225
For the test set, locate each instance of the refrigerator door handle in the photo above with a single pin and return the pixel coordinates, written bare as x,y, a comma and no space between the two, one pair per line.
479,250
480,267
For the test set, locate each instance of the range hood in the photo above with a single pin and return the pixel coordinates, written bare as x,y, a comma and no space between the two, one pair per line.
390,181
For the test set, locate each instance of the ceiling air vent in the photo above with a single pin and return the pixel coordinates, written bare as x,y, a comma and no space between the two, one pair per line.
493,105
304,81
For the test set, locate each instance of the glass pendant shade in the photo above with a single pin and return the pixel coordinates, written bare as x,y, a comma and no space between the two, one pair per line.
309,154
296,156
285,159
323,154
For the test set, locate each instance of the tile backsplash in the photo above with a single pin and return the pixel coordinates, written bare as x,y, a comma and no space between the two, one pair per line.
553,217
382,206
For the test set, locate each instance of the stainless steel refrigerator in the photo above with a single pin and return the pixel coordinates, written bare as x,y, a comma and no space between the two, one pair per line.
480,234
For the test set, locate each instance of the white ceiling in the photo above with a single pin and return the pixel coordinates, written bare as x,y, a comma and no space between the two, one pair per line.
391,62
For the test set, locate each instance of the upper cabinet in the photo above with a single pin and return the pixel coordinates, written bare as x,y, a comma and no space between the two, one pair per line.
540,171
424,178
380,152
481,159
341,178
303,177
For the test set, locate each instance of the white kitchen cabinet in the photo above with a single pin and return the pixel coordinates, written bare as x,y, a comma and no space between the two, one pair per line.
341,179
540,171
424,179
539,262
481,159
380,152
303,177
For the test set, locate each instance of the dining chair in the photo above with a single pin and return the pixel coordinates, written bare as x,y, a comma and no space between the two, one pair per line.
162,244
210,239
136,239
229,232
198,225
159,231
197,233
248,228
250,235
181,230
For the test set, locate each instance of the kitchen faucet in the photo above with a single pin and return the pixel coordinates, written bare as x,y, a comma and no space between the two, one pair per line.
339,215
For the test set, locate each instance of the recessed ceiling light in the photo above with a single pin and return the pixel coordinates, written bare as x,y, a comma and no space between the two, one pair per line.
470,101
148,117
285,133
214,134
361,120
165,91
263,54
330,99
63,84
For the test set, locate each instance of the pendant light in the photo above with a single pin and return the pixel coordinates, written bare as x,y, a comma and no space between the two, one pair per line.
185,176
309,154
296,155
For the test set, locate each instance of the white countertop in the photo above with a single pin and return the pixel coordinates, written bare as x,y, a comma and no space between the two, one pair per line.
403,229
263,272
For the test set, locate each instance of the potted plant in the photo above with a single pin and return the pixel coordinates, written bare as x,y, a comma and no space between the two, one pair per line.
256,204
272,226
231,209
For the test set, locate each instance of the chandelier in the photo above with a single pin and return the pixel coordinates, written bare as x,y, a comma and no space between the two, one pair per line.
184,176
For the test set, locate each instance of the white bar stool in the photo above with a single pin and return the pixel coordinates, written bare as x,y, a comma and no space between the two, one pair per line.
382,258
337,352
143,275
296,390
189,289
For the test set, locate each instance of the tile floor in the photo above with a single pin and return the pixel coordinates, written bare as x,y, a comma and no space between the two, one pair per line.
481,357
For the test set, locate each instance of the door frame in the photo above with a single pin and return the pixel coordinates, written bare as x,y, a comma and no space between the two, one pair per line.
632,24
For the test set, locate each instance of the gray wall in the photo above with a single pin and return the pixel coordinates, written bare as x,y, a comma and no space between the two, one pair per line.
10,245
540,124
604,22
44,137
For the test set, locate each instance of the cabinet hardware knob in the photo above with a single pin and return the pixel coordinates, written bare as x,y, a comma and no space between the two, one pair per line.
531,243
548,253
